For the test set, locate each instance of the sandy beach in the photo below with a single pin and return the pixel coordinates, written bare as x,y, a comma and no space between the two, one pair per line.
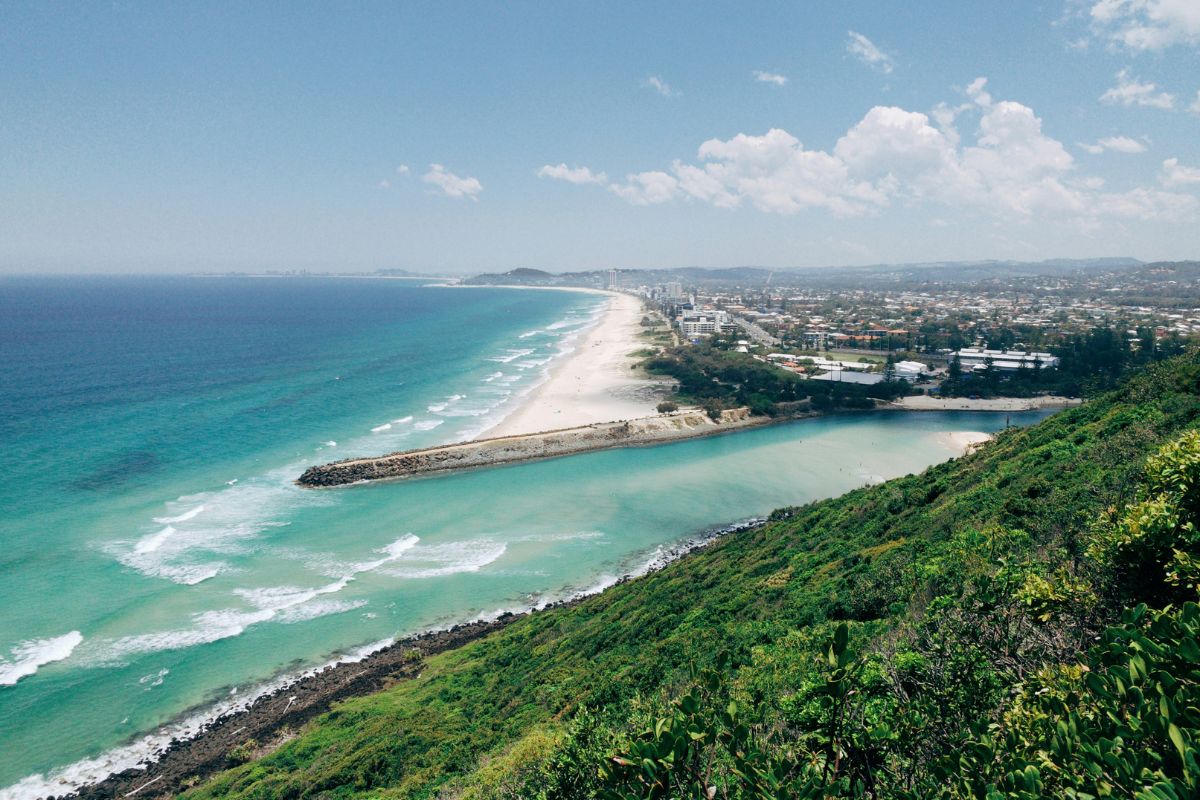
596,382
926,403
965,442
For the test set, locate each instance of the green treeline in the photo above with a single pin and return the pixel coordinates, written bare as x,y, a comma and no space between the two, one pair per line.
1016,623
716,378
1089,364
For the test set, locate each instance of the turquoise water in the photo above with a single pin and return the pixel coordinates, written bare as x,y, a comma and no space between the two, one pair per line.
158,560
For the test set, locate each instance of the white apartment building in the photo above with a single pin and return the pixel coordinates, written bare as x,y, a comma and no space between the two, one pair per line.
977,358
695,324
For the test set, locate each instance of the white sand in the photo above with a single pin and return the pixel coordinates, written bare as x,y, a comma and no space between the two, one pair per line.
964,442
922,402
595,383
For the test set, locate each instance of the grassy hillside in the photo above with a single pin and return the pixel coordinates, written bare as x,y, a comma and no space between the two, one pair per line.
853,643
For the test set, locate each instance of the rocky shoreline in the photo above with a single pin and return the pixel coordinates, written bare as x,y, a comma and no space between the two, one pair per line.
528,447
273,719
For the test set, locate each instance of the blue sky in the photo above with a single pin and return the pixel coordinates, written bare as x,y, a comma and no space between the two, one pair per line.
170,137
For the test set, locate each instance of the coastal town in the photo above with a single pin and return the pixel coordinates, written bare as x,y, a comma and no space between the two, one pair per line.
706,352
979,333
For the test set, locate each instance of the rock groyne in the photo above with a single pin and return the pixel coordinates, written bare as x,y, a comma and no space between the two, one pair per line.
527,447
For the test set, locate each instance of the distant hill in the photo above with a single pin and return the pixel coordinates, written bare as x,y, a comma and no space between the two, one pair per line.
522,276
873,276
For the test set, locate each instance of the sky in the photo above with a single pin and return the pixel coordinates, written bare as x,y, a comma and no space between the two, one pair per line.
466,137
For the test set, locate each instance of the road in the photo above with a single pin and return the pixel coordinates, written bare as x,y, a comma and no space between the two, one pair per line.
756,333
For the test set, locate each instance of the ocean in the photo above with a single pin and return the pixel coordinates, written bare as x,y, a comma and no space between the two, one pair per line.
157,562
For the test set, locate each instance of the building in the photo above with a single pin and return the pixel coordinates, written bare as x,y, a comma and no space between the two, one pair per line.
977,359
846,376
909,370
612,279
695,324
674,291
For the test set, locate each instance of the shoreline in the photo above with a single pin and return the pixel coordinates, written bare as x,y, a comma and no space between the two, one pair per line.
922,402
198,740
595,382
272,718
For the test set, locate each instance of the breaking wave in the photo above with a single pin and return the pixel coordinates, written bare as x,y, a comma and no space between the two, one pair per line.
27,657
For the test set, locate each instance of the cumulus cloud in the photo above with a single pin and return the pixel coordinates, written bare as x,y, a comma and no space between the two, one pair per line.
865,51
770,77
978,93
647,188
1175,174
402,169
577,175
1006,167
1117,144
1147,24
659,85
1130,91
452,185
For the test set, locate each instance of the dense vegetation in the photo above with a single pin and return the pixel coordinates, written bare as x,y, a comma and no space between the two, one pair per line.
1089,364
716,377
1018,622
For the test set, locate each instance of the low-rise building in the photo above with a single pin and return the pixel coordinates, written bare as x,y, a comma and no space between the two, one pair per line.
694,324
909,370
978,359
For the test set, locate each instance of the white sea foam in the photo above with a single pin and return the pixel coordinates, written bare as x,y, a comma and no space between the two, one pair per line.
278,603
183,552
387,426
317,608
428,424
191,513
511,355
447,559
154,678
493,377
148,544
27,657
141,752
402,420
186,574
566,536
530,363
330,443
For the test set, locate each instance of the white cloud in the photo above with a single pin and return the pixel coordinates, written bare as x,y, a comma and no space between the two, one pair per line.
1147,24
452,185
1195,106
647,188
578,175
1175,174
402,169
1117,144
1129,91
770,77
659,85
865,51
977,93
385,184
1007,168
